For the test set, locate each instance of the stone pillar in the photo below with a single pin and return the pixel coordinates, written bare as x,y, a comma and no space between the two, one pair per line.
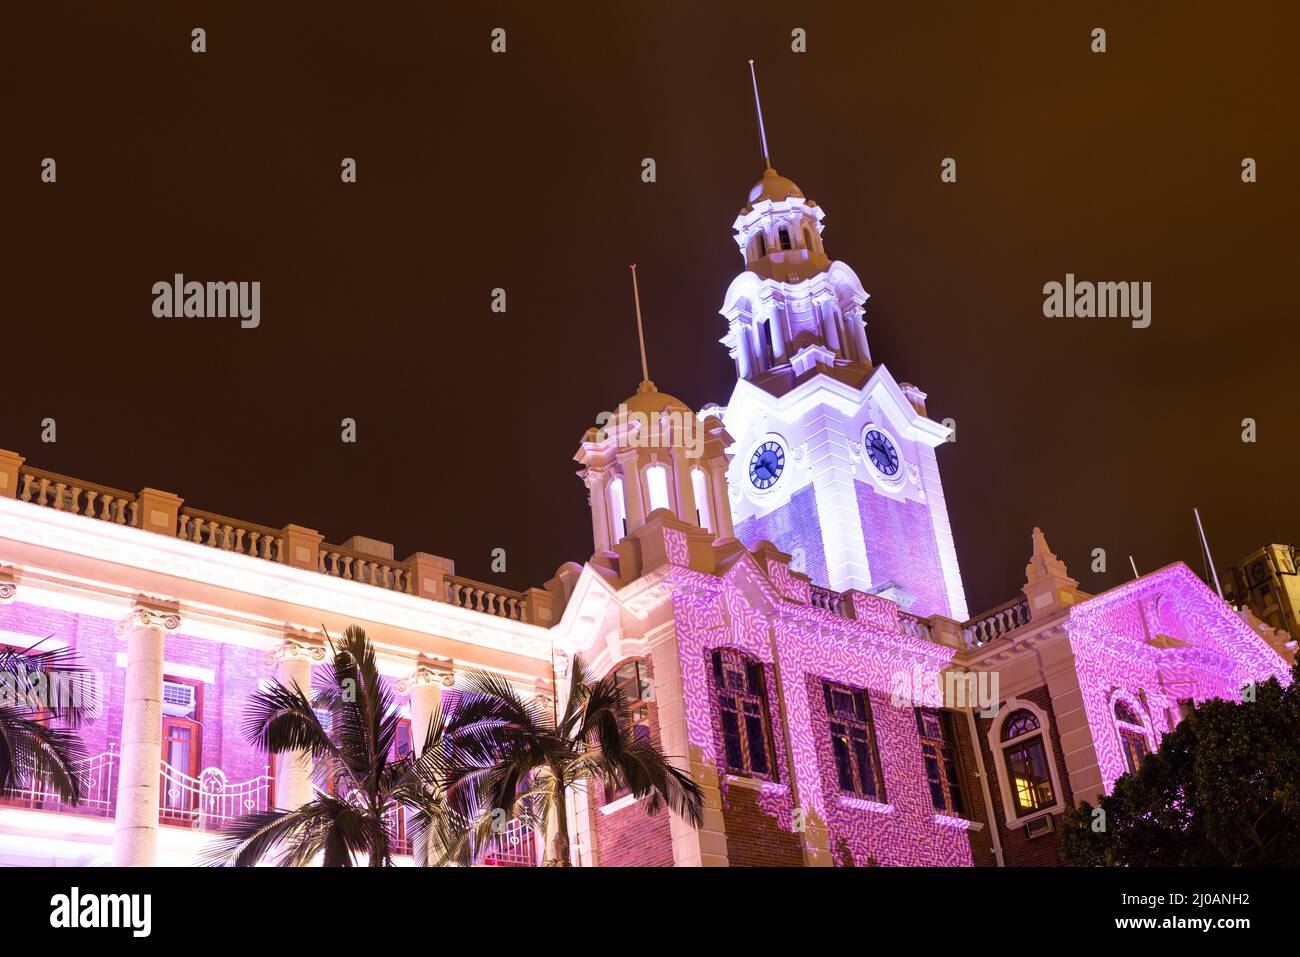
135,832
683,486
301,547
430,573
537,608
158,511
292,660
722,523
597,487
633,503
10,464
424,687
705,846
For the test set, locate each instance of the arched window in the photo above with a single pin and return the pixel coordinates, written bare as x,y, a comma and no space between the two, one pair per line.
807,239
700,485
1025,757
741,690
1132,735
785,237
618,509
761,245
656,481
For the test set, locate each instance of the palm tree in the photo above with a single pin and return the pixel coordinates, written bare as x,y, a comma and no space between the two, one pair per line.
524,758
358,788
38,689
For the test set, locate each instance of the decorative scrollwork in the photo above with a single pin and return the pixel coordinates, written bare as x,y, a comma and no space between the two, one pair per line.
142,616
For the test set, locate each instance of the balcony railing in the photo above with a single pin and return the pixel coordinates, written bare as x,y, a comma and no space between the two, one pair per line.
991,625
516,846
828,600
98,779
914,626
209,802
102,503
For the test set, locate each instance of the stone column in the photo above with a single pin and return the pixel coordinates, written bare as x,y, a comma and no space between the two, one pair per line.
597,486
135,832
722,524
682,485
424,687
705,846
633,503
292,660
11,464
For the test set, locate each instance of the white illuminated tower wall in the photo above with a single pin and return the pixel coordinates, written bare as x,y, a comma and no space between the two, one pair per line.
834,460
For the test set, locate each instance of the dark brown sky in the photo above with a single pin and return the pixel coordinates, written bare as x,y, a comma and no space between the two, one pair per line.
522,171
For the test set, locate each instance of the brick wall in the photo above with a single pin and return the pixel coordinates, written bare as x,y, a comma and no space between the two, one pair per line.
981,842
794,527
907,834
1017,849
630,837
236,673
757,814
901,547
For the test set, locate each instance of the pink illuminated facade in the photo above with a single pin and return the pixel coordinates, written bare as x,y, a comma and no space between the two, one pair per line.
776,578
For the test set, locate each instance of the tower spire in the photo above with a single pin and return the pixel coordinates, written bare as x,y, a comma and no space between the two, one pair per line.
640,332
758,105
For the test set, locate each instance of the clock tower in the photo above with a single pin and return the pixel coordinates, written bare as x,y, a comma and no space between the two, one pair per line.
833,459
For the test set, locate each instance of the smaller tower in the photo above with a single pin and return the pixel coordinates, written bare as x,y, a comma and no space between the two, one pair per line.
653,452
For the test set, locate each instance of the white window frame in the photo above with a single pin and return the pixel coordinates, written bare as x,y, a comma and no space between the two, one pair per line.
998,746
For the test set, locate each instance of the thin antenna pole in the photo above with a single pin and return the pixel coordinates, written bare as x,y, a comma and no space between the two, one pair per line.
1133,565
640,332
1209,557
758,105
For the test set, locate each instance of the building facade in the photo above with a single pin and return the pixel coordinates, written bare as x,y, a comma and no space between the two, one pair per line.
774,582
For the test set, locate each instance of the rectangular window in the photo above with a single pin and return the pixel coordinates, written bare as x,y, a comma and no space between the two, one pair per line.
742,707
939,757
857,767
633,680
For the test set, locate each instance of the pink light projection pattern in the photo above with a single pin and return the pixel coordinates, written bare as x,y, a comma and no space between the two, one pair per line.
809,641
1213,655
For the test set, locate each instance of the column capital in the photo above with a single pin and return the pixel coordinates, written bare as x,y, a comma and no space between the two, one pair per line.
428,671
543,694
296,646
150,613
8,584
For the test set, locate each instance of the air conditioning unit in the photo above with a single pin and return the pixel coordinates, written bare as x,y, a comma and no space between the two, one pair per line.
178,699
1040,826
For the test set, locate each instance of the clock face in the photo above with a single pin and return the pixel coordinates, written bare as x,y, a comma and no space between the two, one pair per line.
766,465
881,451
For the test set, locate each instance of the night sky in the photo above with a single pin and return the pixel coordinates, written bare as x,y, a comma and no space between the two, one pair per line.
522,171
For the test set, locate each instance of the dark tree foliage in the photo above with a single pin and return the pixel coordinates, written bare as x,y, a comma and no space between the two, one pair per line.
1222,790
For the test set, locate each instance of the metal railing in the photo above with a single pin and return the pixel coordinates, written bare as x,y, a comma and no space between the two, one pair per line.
209,802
